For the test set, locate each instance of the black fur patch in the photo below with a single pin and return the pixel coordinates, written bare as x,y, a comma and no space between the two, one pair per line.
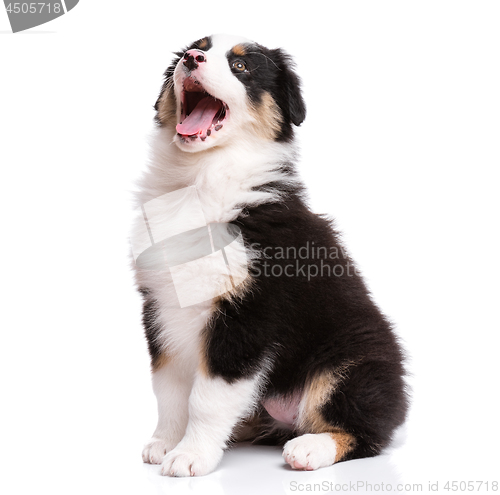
152,328
309,324
271,71
202,44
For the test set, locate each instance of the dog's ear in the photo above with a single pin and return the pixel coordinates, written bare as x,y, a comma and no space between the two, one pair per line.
289,91
167,86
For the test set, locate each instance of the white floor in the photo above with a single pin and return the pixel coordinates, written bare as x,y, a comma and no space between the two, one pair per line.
106,460
422,464
421,460
249,469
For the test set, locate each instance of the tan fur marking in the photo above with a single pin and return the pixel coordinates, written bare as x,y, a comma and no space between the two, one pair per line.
267,117
345,443
238,291
160,362
203,44
167,107
239,50
316,393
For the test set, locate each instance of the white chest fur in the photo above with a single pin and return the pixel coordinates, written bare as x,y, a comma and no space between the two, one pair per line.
224,181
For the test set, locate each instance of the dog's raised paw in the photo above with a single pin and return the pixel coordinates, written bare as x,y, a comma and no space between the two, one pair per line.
311,451
154,451
190,462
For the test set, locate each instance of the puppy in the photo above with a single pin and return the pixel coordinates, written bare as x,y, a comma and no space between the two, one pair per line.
259,326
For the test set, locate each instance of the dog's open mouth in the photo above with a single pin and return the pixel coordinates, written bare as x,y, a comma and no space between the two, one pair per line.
201,113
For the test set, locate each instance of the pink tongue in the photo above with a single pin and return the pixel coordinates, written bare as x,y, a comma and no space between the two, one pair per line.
200,119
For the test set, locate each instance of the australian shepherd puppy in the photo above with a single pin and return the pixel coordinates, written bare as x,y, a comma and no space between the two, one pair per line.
258,324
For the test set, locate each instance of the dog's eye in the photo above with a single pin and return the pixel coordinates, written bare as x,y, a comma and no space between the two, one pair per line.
239,66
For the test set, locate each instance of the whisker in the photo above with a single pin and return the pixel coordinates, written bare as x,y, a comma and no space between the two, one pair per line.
259,53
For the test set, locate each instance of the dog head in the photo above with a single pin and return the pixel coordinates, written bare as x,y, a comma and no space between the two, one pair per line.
221,88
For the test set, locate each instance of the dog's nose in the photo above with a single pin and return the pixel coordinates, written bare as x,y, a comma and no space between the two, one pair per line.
193,58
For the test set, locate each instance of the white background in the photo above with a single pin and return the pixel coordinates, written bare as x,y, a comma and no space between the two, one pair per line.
401,145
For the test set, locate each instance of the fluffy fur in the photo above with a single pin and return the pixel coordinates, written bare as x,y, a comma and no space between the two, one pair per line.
298,352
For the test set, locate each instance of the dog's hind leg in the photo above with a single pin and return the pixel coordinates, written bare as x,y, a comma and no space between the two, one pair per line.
348,413
316,450
319,443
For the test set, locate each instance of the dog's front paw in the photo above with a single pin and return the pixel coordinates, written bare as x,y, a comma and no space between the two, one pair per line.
154,451
310,451
183,461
